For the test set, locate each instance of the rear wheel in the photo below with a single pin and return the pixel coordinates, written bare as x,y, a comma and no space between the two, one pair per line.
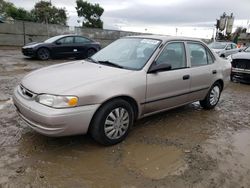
43,53
212,97
112,122
91,52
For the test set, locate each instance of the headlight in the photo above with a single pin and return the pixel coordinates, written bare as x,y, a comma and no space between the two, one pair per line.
57,101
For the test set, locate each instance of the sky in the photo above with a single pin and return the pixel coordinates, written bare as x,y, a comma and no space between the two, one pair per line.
170,17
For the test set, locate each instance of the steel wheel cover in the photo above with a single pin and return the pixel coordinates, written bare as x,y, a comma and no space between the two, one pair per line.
116,123
214,95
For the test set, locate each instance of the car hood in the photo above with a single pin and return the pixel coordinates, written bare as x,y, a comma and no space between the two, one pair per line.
61,78
32,44
241,55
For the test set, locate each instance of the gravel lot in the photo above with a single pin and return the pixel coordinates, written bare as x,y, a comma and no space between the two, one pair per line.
185,147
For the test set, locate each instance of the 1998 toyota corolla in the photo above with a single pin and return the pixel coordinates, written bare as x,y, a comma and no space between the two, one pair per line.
131,78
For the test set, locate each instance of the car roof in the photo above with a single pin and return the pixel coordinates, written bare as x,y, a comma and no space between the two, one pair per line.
164,38
221,42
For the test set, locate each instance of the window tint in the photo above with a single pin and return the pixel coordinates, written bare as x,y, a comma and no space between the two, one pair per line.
81,40
173,54
66,40
199,55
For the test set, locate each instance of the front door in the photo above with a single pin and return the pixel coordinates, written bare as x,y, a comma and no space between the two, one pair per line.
170,88
64,47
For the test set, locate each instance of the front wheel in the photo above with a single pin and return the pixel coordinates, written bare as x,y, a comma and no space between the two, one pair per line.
43,53
212,97
112,122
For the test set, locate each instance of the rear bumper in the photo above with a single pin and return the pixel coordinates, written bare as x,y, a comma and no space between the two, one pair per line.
54,122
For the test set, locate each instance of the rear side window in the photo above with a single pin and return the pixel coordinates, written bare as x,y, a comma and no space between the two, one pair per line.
81,40
173,54
199,55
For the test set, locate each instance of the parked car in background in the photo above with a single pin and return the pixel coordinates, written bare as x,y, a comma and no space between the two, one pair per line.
224,49
241,66
62,46
132,78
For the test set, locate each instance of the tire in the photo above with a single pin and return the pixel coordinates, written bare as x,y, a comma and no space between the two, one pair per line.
91,52
212,97
108,126
43,54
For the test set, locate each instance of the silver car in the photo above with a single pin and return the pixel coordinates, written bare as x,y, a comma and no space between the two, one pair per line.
224,49
132,78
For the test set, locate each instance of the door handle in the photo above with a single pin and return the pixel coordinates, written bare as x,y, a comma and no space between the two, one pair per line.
214,71
186,77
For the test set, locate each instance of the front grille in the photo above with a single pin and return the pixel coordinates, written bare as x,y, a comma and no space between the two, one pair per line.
28,51
241,63
26,93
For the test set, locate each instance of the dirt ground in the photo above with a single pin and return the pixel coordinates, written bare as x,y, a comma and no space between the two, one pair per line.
185,147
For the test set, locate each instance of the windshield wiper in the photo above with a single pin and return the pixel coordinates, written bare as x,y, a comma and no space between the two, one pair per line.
110,64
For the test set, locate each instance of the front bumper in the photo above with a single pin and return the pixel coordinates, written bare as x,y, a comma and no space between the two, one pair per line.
241,75
54,122
28,52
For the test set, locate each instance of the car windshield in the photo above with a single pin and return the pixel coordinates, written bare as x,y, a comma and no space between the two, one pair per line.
247,49
52,39
128,53
217,45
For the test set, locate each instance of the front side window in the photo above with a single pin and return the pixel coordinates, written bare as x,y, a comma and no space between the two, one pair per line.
174,55
198,55
66,40
229,47
128,53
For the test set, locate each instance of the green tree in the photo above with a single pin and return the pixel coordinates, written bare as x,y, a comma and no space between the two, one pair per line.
10,10
4,5
91,14
44,12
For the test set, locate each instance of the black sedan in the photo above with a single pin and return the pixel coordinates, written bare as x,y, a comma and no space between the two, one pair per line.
62,46
241,66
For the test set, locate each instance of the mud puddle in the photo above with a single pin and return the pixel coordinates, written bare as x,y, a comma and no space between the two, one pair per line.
153,161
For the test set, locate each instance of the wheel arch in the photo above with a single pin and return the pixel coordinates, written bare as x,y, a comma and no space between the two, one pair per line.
128,99
220,81
40,47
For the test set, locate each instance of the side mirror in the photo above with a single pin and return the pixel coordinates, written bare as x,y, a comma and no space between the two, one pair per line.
159,68
58,43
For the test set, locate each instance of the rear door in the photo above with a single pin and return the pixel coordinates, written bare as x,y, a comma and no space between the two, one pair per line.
81,45
202,70
169,88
